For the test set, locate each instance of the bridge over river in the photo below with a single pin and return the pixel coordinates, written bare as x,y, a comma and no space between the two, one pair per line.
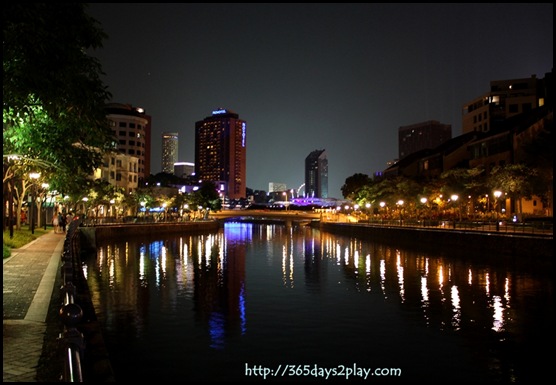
286,216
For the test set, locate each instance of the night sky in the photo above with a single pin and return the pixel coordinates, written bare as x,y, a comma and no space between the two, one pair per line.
338,77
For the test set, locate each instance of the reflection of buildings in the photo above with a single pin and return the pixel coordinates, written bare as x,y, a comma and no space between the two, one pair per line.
444,290
219,282
209,271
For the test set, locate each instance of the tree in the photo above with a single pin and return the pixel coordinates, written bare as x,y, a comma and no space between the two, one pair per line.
464,182
538,153
207,197
514,180
354,184
53,96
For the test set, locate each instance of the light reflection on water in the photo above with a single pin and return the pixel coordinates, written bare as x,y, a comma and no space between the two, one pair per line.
202,306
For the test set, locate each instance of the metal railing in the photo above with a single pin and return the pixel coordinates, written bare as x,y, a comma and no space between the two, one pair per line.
543,228
534,227
72,340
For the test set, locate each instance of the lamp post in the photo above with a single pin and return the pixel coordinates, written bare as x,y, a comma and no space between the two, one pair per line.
143,208
382,205
285,194
400,205
425,213
497,195
454,199
34,176
368,208
45,186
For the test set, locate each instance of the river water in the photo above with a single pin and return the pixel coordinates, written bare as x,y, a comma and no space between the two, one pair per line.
267,303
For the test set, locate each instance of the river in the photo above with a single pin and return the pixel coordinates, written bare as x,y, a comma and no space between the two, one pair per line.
268,302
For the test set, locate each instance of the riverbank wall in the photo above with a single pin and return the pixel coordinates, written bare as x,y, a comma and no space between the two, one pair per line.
491,246
90,234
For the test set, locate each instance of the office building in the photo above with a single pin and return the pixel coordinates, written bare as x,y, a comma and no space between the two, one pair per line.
316,175
220,152
422,136
132,129
169,151
184,169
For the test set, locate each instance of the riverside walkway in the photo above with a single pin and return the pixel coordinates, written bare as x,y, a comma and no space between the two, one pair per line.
29,276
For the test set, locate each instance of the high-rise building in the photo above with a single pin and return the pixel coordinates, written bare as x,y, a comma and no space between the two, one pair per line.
132,129
169,151
316,175
421,136
220,152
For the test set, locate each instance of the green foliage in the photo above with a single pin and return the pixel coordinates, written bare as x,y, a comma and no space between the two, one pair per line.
354,184
20,238
207,197
53,96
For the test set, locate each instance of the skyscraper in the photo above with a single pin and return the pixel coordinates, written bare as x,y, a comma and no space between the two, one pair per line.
316,175
169,151
220,152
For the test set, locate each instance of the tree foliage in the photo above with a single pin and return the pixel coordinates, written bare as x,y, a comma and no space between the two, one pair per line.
207,197
354,184
53,96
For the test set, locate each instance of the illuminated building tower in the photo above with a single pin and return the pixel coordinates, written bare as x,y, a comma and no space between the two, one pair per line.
316,175
169,151
132,129
220,152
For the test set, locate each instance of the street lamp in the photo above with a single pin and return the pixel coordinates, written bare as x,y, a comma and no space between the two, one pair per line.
497,195
424,208
368,210
382,205
454,199
45,186
34,176
285,193
400,204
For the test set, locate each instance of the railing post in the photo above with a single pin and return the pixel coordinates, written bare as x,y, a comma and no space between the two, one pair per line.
74,343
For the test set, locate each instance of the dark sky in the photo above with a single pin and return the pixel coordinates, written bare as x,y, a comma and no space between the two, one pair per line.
338,77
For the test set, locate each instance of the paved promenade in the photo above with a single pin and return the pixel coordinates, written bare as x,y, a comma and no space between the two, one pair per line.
29,276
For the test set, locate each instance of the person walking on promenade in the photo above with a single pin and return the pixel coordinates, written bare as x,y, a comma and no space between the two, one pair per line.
56,223
63,222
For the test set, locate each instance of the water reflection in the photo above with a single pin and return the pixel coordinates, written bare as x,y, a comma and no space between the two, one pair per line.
212,291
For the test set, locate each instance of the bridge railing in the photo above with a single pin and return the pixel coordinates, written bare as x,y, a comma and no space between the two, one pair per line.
533,227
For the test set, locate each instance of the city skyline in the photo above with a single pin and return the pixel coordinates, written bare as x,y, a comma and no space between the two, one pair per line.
343,77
